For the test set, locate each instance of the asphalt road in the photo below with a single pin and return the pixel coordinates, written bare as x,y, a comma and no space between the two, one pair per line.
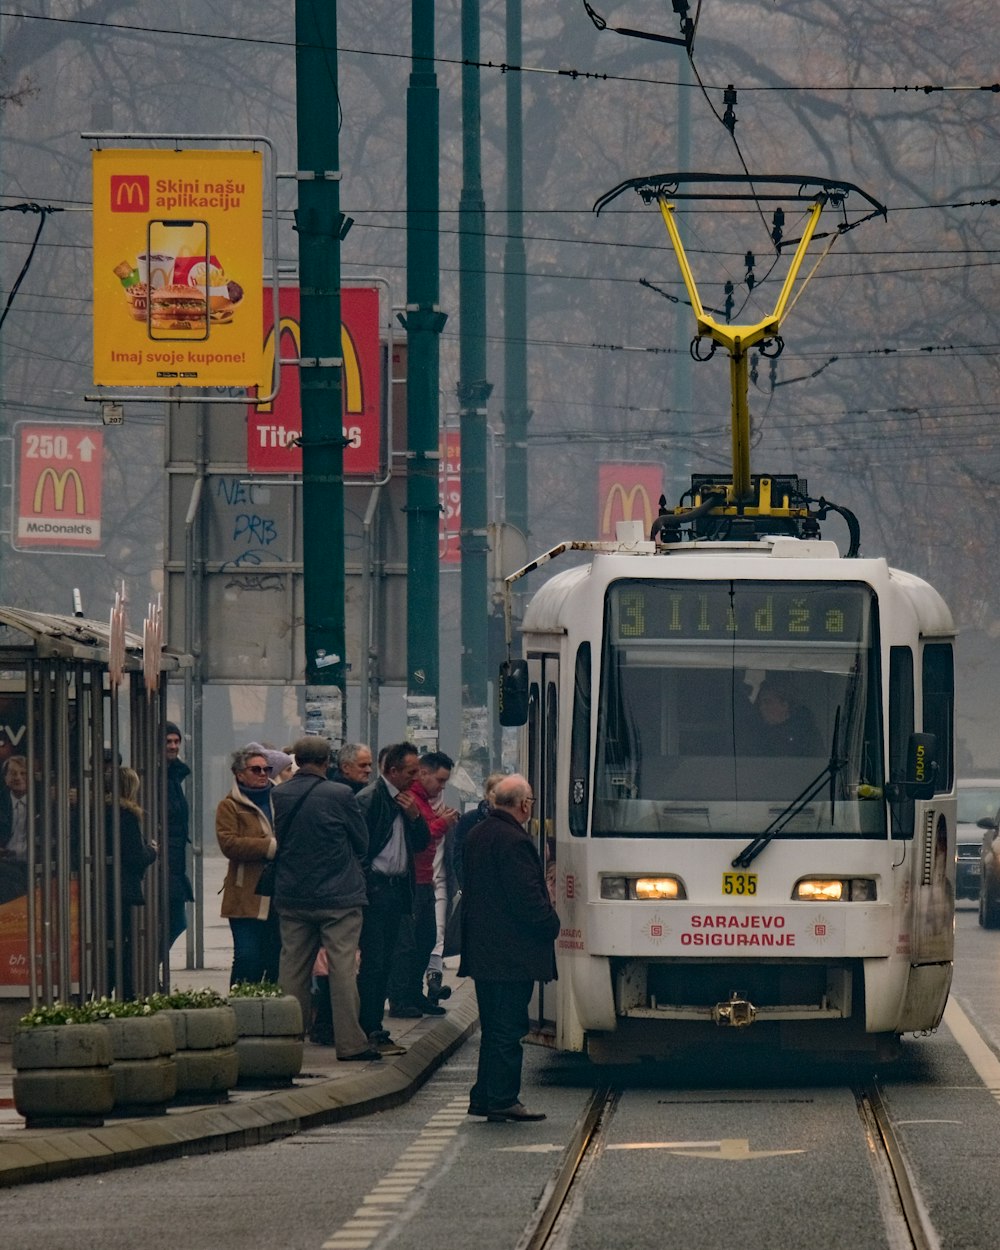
759,1154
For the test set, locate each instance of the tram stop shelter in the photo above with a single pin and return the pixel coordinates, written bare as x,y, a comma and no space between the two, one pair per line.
77,696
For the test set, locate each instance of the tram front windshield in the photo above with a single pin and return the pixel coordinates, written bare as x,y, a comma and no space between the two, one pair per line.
724,704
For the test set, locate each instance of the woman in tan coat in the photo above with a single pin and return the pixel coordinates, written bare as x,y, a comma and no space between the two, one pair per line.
243,825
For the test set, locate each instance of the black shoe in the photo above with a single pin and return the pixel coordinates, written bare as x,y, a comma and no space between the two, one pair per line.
517,1114
406,1012
436,991
430,1009
384,1044
363,1056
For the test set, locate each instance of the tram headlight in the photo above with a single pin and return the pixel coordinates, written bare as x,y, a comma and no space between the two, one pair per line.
835,890
660,888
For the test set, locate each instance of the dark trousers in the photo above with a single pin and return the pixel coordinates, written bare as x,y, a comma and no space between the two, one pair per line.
388,903
179,895
417,936
256,948
503,1021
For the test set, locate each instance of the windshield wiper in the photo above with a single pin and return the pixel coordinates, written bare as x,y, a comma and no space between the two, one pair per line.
787,814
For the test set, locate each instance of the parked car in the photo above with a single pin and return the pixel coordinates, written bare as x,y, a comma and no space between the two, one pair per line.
977,853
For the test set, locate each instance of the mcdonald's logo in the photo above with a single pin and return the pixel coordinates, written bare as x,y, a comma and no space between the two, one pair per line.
59,483
353,388
130,193
627,497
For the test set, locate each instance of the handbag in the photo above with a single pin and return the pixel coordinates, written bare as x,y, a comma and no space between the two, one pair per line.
453,928
269,873
267,878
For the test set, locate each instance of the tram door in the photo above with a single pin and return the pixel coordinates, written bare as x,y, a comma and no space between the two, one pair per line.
542,744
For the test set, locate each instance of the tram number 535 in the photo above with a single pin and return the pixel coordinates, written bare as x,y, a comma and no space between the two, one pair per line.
739,883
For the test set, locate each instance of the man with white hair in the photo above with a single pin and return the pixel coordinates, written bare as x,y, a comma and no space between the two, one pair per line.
509,928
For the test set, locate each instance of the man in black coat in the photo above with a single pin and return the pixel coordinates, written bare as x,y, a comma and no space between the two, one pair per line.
396,831
509,928
319,889
178,834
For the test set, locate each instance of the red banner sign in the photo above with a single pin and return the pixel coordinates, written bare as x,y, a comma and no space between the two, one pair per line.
627,491
59,486
273,427
449,531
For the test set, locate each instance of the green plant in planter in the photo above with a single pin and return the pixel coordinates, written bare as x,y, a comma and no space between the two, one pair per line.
181,1000
256,989
54,1013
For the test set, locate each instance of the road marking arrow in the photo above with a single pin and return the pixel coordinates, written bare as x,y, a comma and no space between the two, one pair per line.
734,1148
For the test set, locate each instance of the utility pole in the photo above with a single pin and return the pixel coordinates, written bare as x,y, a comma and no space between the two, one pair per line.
423,322
473,393
516,411
320,226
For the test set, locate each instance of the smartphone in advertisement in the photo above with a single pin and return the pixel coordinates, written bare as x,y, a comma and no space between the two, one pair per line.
175,269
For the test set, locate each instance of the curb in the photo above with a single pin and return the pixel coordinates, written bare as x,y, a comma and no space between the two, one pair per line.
79,1152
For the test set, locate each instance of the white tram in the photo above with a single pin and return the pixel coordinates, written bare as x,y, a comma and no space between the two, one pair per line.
714,864
742,750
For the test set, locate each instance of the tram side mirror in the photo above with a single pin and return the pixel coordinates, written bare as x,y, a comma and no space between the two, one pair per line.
921,766
512,692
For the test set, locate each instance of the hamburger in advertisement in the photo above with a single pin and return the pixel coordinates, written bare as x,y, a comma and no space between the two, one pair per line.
177,307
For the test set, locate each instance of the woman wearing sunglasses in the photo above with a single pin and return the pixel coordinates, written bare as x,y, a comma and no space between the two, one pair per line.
244,827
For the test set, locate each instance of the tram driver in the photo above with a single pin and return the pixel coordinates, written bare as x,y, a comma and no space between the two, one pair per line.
782,724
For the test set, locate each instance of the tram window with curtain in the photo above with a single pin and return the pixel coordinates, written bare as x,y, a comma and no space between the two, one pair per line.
579,750
939,705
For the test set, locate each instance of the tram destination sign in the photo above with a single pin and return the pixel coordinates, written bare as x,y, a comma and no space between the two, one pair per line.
738,611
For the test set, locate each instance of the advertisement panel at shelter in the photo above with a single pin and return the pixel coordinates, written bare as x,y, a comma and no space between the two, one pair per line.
178,266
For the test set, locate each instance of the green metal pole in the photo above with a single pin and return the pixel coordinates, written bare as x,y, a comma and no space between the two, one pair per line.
318,222
473,393
516,411
424,322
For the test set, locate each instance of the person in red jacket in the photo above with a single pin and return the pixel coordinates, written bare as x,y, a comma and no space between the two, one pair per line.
509,928
419,937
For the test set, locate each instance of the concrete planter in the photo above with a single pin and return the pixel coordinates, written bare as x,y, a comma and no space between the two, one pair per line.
205,1055
143,1067
62,1075
269,1044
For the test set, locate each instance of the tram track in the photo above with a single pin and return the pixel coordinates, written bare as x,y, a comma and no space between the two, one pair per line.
907,1222
584,1145
906,1217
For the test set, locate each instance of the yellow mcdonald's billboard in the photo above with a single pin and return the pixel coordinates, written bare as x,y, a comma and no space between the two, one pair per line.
178,267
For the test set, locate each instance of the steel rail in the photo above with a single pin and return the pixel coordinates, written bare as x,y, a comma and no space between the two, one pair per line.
536,1235
886,1144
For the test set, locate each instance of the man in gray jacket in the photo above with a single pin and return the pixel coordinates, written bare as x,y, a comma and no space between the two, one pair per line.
319,889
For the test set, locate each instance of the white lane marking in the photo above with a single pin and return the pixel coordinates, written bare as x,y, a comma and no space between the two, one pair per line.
983,1059
381,1205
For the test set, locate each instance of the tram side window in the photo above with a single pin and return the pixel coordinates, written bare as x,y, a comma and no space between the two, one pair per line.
534,768
900,728
551,748
579,751
939,704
